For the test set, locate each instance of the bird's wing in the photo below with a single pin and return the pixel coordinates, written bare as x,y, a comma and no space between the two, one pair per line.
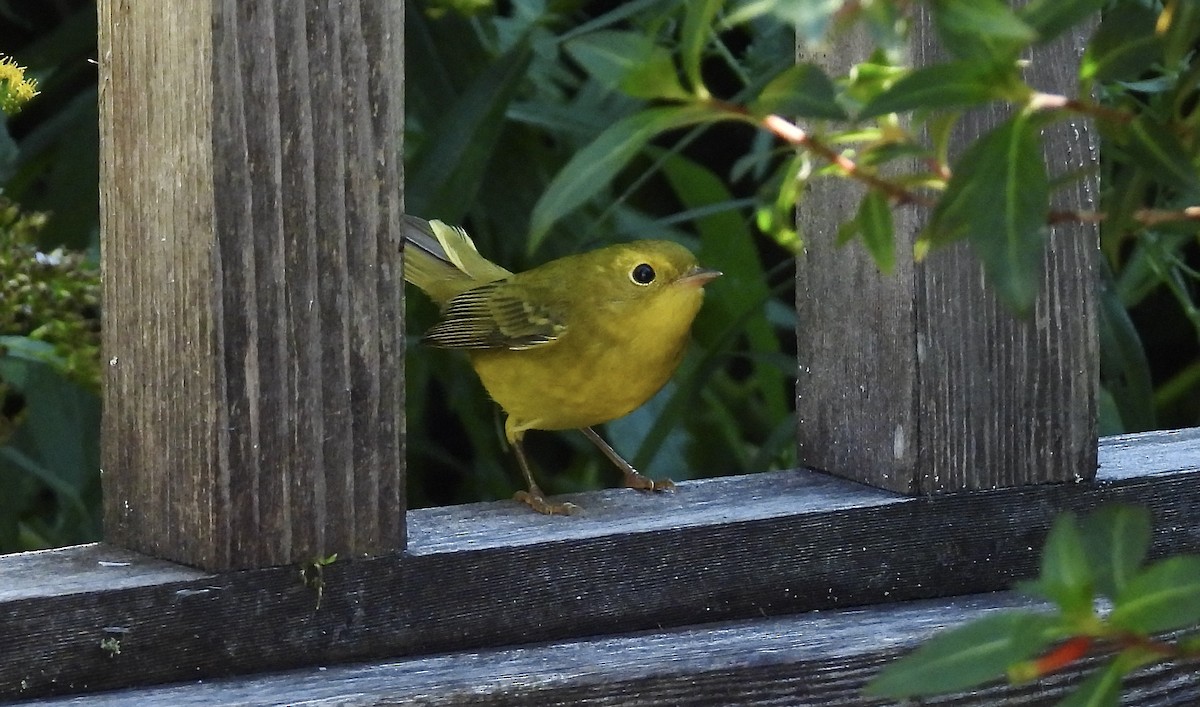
498,315
461,251
442,260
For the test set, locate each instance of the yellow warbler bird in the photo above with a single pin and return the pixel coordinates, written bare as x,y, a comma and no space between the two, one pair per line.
567,345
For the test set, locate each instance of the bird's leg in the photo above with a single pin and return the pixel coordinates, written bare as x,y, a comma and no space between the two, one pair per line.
633,479
534,498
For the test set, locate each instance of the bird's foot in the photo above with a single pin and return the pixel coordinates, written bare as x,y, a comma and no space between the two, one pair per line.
634,480
537,501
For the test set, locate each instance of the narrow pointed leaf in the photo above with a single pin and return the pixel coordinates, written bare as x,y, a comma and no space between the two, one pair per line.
450,170
948,85
802,90
1124,45
1117,538
1155,148
875,221
1164,596
982,29
1101,689
1066,578
593,167
697,24
1051,18
970,655
1124,368
999,197
609,55
629,62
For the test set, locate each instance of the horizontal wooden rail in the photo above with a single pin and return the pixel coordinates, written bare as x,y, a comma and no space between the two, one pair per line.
97,617
821,658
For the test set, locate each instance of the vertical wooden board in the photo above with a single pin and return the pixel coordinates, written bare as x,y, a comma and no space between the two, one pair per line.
856,395
1006,400
159,440
294,449
923,381
377,302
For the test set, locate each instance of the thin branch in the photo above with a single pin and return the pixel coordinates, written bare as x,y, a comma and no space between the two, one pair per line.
796,136
1052,101
1143,217
900,195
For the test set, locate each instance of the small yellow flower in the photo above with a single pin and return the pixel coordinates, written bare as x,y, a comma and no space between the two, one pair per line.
15,89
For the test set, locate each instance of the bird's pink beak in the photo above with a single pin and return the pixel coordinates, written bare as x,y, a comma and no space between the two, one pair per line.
699,277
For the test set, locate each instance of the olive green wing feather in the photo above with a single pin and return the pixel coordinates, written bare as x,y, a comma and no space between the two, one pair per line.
498,315
442,260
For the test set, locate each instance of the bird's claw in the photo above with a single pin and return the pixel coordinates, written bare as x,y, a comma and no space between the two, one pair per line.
634,480
535,500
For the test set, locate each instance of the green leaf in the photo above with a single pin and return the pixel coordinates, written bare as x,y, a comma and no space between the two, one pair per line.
998,197
952,84
697,26
847,230
1117,538
810,18
1108,414
964,657
1162,597
801,90
1124,45
59,440
609,55
1066,577
1101,689
629,61
1124,368
875,221
450,170
1182,33
1053,17
1154,147
594,166
982,29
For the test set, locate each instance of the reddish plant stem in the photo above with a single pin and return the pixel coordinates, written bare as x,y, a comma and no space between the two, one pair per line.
797,137
1063,655
792,134
1053,101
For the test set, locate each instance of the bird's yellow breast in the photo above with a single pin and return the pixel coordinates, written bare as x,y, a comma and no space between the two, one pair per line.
588,377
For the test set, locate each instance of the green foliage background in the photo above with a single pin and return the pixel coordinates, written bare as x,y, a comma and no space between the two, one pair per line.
500,99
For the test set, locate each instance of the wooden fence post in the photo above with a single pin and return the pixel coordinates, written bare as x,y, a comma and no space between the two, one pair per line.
922,381
250,210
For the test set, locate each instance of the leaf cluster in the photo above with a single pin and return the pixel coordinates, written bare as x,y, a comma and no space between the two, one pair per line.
50,297
1105,597
49,283
49,387
895,128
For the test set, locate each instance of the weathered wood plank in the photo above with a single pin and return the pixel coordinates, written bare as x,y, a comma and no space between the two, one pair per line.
251,199
922,381
495,574
811,659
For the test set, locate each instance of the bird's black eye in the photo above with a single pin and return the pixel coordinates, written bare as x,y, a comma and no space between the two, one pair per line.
642,274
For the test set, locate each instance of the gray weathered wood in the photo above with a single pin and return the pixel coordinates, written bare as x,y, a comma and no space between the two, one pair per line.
922,381
495,574
822,658
250,208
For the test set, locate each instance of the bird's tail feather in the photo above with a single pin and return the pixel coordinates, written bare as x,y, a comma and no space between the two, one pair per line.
442,260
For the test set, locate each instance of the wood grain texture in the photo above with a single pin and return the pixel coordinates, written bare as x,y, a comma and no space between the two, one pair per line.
812,659
251,198
857,401
482,575
922,381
